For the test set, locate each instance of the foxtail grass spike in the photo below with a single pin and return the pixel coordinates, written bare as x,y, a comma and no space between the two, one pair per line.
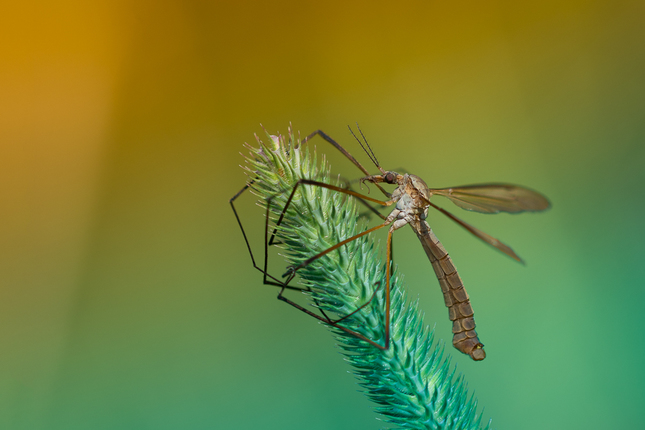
412,383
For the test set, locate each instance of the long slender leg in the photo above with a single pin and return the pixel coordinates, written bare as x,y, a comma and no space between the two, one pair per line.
328,139
267,278
373,209
370,208
273,280
335,323
387,287
291,273
344,152
270,280
320,184
284,284
331,187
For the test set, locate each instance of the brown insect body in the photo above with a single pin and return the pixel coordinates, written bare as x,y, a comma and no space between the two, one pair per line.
412,198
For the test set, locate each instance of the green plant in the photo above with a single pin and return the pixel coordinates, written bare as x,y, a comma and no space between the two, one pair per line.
411,382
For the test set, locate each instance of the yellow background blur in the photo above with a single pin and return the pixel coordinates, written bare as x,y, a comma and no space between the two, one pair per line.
127,299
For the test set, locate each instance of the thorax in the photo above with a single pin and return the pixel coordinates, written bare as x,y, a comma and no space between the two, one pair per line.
411,195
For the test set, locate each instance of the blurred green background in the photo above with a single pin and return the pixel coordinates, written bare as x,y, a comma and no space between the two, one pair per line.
127,299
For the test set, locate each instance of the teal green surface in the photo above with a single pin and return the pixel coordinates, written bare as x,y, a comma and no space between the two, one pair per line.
127,297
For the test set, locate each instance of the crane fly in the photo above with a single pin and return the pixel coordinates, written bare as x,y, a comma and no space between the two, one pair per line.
411,201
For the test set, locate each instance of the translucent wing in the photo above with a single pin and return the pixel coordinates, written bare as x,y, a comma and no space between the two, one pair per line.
494,198
487,238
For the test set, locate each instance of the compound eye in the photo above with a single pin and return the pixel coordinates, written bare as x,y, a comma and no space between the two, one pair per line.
389,177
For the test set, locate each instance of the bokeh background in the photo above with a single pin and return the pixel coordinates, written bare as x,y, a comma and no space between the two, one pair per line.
127,299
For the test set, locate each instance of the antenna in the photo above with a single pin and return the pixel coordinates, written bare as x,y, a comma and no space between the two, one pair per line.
368,151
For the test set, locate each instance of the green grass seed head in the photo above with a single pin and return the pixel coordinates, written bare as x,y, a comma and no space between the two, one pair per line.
411,382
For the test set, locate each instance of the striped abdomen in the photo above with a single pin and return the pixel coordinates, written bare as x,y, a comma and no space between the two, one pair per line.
461,313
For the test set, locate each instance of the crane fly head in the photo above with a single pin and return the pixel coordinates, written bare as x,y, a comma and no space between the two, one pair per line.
391,177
